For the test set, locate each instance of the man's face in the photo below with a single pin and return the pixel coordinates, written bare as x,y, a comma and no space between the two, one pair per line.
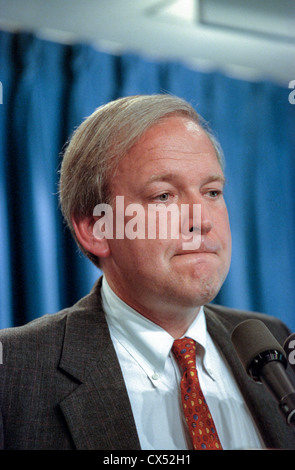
173,162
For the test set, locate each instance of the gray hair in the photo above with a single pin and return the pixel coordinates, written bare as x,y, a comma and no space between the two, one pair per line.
102,140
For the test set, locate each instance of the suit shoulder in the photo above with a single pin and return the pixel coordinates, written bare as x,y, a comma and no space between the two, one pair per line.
241,315
34,327
231,317
44,336
38,341
49,322
55,321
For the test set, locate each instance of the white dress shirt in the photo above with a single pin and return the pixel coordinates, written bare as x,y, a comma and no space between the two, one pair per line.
152,379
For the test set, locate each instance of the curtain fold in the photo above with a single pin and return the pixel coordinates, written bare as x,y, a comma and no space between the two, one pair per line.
49,88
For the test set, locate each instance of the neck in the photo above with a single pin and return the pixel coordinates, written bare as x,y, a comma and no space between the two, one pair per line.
176,328
175,319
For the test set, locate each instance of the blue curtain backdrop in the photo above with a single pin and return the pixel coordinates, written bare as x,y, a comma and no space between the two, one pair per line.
48,88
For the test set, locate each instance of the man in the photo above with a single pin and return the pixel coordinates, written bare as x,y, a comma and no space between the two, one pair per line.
104,374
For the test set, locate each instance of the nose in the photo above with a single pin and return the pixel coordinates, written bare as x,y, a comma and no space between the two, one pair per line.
195,217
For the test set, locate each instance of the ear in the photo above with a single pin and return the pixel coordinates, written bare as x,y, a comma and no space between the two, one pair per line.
85,233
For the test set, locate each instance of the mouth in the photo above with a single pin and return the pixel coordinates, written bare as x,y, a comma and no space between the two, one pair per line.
206,247
196,256
195,252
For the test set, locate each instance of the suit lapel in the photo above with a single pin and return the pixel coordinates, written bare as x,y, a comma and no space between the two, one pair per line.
98,411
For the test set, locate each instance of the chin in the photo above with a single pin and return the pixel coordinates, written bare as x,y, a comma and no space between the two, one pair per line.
205,291
197,297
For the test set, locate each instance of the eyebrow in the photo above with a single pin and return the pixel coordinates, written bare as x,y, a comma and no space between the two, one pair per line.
174,177
213,178
162,177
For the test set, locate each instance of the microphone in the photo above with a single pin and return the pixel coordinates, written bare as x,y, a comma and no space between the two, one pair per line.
289,348
265,361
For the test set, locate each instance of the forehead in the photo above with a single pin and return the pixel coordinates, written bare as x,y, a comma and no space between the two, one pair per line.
173,140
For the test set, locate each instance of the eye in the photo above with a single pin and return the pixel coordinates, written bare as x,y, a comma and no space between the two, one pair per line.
214,193
163,197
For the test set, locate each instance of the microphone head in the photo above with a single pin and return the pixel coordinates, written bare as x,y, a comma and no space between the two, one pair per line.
289,348
255,345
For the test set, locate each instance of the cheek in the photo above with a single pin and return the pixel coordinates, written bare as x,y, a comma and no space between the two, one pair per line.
223,233
228,235
137,254
224,226
226,241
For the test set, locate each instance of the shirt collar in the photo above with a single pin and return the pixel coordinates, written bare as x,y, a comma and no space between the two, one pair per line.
147,342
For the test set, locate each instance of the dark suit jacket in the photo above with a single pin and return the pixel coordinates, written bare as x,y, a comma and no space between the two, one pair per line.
61,386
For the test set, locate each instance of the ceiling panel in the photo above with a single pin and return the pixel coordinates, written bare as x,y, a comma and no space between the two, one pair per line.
273,19
250,38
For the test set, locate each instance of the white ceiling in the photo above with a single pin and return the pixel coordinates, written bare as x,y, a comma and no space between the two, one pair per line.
247,38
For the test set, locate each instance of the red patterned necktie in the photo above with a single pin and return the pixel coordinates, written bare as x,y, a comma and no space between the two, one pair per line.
198,417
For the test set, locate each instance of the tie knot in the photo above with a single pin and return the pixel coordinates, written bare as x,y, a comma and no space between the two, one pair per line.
184,350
